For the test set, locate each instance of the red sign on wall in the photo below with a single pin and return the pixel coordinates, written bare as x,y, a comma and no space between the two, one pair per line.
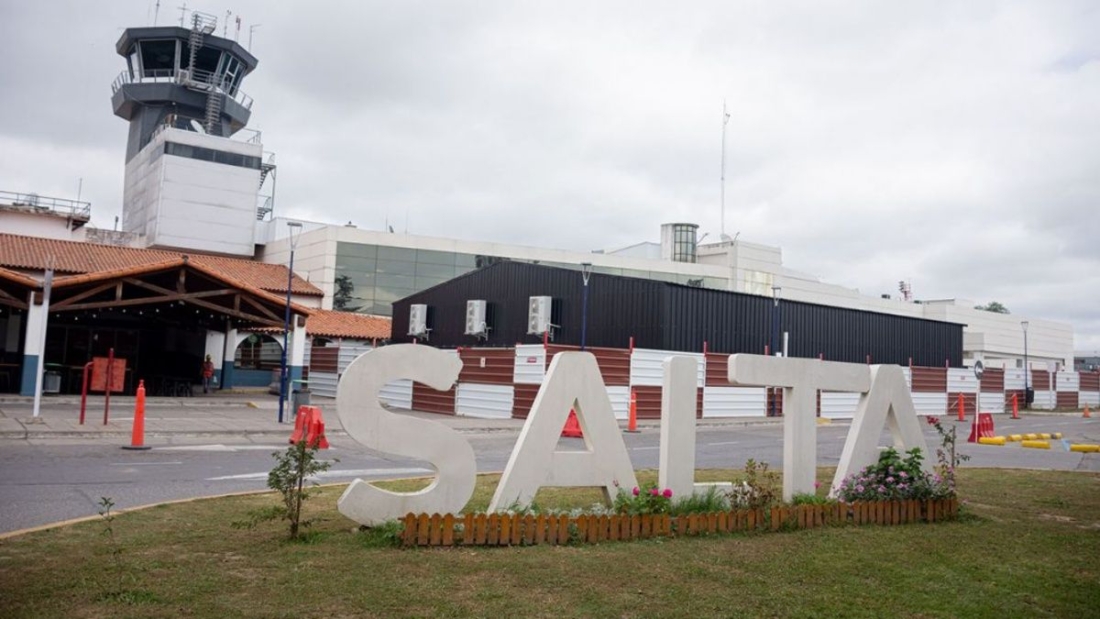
99,374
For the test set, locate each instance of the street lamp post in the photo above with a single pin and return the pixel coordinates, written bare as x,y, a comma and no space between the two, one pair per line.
586,273
776,290
284,373
1027,368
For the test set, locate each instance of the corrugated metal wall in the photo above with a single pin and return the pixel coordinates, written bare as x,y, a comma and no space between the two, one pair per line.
665,316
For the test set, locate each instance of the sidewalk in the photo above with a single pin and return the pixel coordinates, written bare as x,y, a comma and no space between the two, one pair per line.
234,414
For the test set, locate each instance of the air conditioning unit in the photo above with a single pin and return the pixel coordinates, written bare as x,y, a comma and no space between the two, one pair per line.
475,318
418,320
538,315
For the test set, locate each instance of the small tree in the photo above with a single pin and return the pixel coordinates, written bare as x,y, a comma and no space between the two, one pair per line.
293,468
993,306
341,299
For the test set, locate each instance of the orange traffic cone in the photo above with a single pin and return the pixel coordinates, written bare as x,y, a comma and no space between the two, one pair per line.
1087,415
632,420
137,436
572,427
316,436
301,424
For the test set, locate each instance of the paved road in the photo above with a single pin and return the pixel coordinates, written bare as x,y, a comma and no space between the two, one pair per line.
47,481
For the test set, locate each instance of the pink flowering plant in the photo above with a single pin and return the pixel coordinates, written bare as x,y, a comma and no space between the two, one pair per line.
647,499
895,478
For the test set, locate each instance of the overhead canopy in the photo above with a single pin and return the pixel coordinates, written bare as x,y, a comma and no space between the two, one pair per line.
14,288
176,290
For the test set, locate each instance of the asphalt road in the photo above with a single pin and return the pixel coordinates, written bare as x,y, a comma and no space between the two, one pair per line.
53,480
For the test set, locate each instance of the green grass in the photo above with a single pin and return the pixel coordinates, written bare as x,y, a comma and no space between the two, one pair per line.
1028,545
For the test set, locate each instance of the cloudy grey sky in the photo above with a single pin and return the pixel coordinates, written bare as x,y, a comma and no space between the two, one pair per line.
953,144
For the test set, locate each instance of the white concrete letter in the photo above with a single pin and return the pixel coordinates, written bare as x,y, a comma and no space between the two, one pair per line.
888,401
800,380
573,381
678,401
366,421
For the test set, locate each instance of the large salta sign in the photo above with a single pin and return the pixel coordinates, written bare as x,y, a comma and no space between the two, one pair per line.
573,382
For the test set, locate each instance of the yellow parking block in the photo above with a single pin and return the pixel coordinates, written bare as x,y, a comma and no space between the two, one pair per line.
991,440
1015,437
1057,435
1045,436
1031,436
1033,444
1089,449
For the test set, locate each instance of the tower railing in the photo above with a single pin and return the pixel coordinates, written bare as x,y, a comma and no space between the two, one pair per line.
167,76
70,208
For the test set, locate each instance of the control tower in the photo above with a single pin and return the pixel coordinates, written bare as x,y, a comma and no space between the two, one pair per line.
193,173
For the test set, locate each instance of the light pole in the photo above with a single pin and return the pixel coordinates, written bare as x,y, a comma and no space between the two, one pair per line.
283,370
776,290
586,273
1027,368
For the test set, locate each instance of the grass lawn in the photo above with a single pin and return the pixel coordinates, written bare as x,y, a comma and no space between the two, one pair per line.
1028,545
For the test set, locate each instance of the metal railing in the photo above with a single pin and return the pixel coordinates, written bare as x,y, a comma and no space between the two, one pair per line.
170,76
71,208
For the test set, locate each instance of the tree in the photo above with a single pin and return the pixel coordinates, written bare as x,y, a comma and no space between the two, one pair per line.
342,298
993,306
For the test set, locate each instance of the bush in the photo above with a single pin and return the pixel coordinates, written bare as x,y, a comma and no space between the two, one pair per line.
894,478
645,500
758,490
713,500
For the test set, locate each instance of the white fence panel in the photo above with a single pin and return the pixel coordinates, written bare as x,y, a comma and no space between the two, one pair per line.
398,394
323,384
734,402
530,365
484,401
930,403
350,350
1088,398
620,401
1068,381
646,366
993,402
908,372
1044,400
961,380
839,404
1014,379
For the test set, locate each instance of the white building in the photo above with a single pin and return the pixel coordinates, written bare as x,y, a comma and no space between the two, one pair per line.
383,267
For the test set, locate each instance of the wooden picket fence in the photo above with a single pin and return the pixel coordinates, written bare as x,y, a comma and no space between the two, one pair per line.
528,529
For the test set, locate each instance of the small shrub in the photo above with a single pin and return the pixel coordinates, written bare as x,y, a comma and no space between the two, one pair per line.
713,500
949,458
759,489
807,498
894,478
645,500
293,469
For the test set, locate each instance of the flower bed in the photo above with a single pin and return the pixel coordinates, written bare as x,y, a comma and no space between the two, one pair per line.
529,529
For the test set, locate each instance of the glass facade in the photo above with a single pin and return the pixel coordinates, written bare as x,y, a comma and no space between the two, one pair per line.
371,277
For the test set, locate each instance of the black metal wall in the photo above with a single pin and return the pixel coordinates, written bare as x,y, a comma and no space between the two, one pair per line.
668,316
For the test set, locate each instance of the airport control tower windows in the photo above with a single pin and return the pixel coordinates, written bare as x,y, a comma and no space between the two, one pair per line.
158,58
206,60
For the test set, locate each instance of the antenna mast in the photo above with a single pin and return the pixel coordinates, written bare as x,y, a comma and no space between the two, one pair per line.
725,121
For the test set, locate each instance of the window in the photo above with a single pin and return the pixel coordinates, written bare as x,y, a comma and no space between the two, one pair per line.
209,154
158,58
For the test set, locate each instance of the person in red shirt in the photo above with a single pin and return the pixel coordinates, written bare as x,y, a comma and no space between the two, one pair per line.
207,374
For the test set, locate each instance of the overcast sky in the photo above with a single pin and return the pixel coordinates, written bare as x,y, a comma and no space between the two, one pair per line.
952,144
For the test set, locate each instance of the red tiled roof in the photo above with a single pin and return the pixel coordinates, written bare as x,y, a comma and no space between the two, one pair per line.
73,257
330,323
